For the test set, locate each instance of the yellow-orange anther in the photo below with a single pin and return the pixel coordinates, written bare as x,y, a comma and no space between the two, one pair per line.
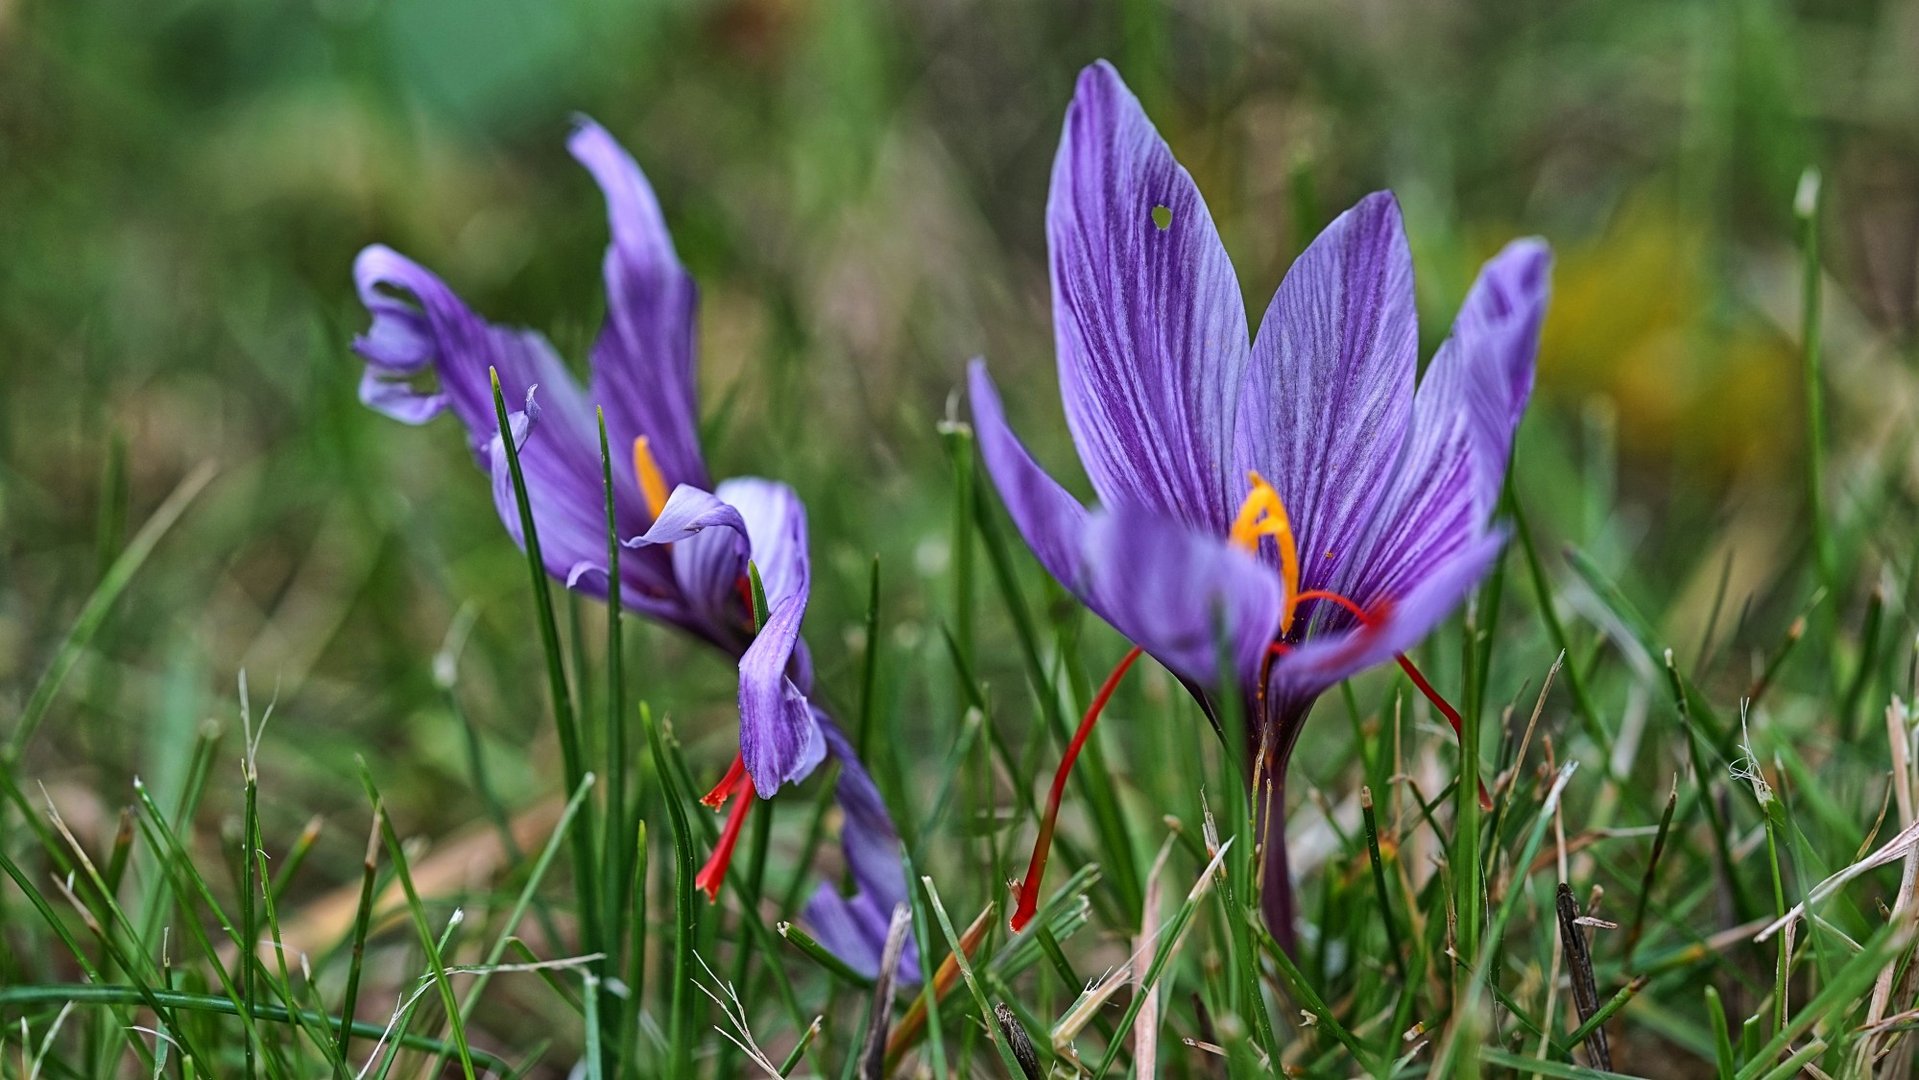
652,484
1263,514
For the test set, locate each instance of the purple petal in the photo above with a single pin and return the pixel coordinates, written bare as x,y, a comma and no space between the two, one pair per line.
1329,658
708,557
780,741
1330,391
775,523
1464,417
393,397
854,927
418,323
1484,371
1180,593
643,361
1052,521
1150,325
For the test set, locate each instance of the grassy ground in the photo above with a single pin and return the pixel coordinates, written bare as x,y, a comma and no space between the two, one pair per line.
1687,676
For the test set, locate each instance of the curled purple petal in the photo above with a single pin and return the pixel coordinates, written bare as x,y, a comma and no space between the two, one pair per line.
708,554
780,740
775,523
1148,318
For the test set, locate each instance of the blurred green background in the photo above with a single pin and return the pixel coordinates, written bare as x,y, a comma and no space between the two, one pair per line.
859,189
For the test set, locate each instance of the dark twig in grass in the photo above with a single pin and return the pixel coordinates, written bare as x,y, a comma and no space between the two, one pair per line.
1579,964
1379,887
1638,923
1016,1038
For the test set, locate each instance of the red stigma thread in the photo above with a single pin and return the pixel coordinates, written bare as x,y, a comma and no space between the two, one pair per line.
724,789
1036,868
1405,664
736,782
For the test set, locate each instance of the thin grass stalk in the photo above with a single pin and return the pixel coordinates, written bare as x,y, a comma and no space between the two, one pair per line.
114,996
1644,895
686,917
1007,1060
586,885
420,924
1239,892
1807,202
1723,1060
618,879
1371,823
1171,934
524,900
869,662
1542,589
362,920
1309,999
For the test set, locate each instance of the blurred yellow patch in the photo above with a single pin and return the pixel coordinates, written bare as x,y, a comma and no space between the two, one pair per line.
1632,319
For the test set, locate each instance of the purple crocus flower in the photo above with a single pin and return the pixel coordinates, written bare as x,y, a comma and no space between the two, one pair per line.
1296,500
691,541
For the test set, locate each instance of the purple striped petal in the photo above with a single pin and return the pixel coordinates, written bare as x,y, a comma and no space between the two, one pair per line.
1179,594
1150,325
853,927
1464,417
1325,412
643,373
1052,522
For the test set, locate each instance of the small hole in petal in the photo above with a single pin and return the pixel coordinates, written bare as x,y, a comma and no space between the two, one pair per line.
1162,217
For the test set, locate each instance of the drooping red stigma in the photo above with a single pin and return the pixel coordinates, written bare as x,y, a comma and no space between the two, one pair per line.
1405,664
737,782
1028,903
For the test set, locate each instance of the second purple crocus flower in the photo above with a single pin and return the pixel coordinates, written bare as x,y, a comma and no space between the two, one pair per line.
692,539
1295,500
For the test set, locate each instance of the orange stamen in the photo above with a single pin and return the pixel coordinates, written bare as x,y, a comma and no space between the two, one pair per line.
1028,903
652,482
714,872
1264,514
